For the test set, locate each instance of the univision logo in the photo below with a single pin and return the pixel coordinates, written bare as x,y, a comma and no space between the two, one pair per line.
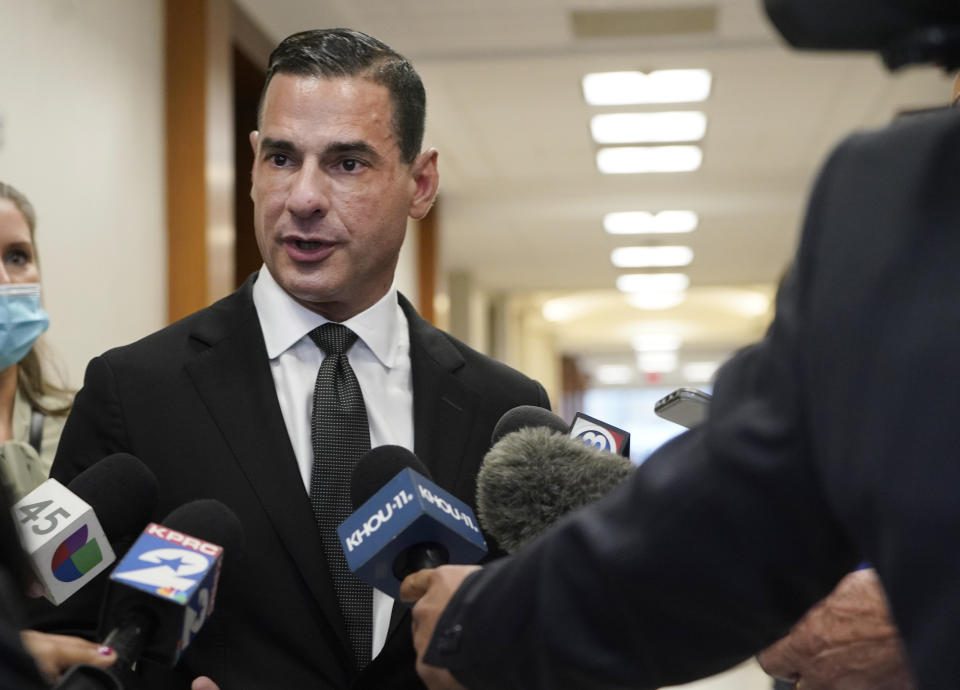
75,557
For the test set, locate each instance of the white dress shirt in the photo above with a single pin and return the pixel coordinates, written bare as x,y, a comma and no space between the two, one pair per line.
381,361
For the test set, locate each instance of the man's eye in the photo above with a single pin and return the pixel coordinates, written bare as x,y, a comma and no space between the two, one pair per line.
350,164
279,159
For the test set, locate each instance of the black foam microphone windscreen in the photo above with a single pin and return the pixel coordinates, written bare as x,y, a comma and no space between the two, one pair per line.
122,492
377,467
212,521
525,416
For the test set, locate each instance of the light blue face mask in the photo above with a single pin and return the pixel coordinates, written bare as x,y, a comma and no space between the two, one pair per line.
22,320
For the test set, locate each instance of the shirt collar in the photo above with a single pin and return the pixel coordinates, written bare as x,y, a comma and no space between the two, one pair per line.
284,321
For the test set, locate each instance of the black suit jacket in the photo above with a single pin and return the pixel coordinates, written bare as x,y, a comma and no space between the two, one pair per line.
833,440
196,402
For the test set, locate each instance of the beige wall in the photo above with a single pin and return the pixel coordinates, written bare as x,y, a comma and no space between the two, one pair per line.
81,89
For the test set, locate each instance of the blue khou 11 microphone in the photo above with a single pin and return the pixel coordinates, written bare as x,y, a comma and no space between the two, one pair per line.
403,522
67,531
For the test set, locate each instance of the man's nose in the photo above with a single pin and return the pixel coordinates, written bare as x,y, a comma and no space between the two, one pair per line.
309,194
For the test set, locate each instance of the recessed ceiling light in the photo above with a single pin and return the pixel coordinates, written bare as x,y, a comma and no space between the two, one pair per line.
651,257
655,301
656,342
641,128
750,304
649,159
643,222
657,362
563,309
699,372
653,282
613,374
661,86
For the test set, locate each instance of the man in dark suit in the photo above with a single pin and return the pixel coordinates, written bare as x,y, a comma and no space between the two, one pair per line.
833,440
219,404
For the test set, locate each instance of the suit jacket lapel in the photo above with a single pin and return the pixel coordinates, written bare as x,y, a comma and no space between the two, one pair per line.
233,377
443,409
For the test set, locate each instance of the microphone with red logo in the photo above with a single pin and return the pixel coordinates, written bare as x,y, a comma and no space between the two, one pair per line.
538,472
600,435
590,430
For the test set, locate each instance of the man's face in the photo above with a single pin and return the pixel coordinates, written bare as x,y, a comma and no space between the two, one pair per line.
331,195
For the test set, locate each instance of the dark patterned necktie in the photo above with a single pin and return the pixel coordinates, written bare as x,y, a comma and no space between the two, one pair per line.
340,435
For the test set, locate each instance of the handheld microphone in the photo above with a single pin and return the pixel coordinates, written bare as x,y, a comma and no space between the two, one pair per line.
524,416
403,522
534,476
585,428
163,590
600,435
68,546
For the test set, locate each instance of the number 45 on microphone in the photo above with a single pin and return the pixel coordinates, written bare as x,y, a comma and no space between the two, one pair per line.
63,539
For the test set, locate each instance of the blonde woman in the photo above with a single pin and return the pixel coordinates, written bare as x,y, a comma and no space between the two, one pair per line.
32,410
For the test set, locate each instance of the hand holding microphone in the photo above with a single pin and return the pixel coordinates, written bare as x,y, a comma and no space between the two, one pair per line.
431,590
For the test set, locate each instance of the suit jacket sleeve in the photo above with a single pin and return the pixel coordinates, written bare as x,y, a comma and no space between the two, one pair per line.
93,431
94,428
706,555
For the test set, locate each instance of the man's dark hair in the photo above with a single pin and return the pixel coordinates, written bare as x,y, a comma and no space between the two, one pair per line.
332,53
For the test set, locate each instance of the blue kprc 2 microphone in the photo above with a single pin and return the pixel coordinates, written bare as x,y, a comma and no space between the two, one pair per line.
163,590
404,521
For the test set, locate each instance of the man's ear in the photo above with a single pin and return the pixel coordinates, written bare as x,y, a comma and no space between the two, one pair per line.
426,175
254,141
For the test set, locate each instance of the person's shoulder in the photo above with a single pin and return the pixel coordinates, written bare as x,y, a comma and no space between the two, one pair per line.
202,327
923,137
475,369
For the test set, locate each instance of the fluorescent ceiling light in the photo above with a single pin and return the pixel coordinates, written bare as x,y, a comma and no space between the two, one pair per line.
661,86
653,282
644,222
563,309
640,128
656,342
656,300
750,304
651,257
699,372
613,374
657,362
649,159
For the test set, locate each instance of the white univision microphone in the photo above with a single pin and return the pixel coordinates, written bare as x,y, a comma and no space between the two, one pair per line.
407,524
63,539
